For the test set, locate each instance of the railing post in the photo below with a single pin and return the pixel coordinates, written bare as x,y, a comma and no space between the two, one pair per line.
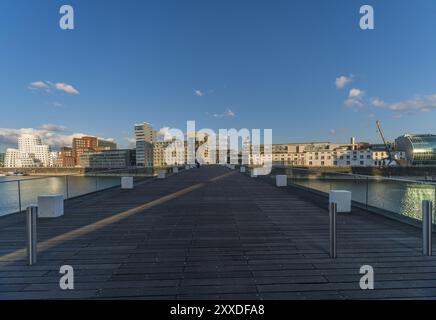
31,216
332,216
67,187
367,192
427,212
19,196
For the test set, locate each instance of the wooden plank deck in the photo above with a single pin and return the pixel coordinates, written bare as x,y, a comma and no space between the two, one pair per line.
211,233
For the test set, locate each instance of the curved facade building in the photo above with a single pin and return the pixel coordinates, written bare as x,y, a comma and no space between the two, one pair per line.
420,149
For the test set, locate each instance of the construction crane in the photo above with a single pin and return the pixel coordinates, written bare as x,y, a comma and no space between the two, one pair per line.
391,153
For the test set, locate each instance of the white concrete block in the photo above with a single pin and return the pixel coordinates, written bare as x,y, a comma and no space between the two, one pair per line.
50,206
232,167
175,170
281,180
161,174
187,167
342,198
126,182
242,169
253,173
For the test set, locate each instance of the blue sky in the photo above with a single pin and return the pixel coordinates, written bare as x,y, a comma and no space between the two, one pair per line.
273,64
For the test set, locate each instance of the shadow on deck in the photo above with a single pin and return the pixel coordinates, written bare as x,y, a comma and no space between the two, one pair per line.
211,233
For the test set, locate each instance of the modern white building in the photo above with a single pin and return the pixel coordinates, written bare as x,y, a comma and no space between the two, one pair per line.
53,158
30,153
11,158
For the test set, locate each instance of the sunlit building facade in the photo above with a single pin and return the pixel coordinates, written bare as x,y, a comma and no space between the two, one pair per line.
145,137
82,145
325,154
30,153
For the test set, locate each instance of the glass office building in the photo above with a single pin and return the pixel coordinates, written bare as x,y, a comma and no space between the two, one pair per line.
108,159
420,149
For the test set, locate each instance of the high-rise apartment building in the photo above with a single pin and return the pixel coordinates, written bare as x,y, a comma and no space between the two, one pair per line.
145,138
82,145
65,158
169,153
12,158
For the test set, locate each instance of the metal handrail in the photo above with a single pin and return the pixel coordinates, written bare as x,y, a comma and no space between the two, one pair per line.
66,188
367,176
91,174
34,178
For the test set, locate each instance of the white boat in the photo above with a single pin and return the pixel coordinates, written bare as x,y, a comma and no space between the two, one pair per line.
15,174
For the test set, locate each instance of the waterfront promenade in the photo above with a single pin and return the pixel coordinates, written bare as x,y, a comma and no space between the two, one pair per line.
212,233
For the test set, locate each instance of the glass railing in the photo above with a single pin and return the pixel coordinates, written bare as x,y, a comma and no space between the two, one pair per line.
393,196
17,193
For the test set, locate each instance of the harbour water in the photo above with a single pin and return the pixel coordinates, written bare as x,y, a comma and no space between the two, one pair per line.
397,196
29,188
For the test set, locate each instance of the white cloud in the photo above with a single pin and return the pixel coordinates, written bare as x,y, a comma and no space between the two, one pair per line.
422,103
228,114
343,81
53,127
131,142
353,103
201,93
38,85
163,134
355,98
377,102
67,88
48,85
332,131
355,93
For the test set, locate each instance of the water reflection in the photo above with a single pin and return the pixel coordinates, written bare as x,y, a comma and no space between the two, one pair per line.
397,196
71,186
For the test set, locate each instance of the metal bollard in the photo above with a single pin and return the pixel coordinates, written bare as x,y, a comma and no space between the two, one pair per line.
427,212
332,216
31,216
